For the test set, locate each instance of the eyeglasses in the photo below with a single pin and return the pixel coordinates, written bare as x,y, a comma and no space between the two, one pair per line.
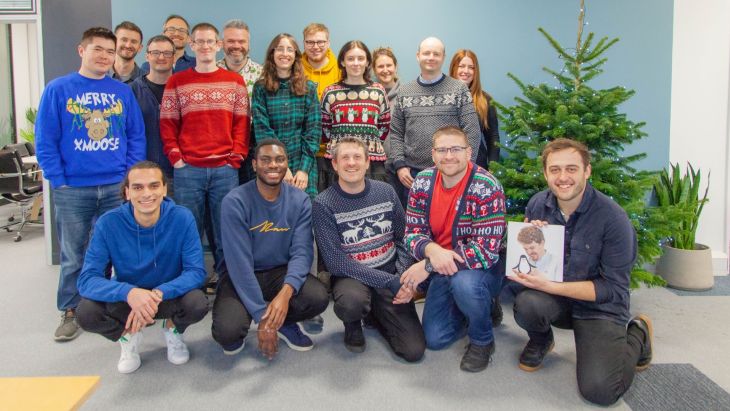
453,150
157,53
282,49
209,42
312,43
171,29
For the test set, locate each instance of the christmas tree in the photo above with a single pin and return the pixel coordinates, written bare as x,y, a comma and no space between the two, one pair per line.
572,109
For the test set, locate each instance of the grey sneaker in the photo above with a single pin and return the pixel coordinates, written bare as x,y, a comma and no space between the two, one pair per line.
68,329
313,325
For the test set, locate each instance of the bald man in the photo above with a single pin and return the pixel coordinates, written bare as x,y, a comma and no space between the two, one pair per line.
432,101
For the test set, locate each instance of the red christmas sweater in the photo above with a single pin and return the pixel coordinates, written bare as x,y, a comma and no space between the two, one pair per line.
204,118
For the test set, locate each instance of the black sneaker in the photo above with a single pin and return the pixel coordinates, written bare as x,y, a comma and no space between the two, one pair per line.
68,329
497,314
643,323
534,353
477,357
354,338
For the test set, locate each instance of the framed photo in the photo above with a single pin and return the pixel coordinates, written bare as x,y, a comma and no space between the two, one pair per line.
531,249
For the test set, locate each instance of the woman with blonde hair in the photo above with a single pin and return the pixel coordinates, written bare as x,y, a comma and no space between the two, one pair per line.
465,67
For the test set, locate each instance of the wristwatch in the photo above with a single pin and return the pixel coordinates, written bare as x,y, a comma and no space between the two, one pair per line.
429,267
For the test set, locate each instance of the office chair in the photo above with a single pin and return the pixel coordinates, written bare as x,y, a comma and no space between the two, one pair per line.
19,184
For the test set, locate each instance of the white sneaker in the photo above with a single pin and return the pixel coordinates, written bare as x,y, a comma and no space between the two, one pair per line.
177,351
129,361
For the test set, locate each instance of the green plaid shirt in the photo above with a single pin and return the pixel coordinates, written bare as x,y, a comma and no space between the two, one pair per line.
295,121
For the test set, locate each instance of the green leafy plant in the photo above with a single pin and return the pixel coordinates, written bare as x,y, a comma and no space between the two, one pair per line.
29,133
681,192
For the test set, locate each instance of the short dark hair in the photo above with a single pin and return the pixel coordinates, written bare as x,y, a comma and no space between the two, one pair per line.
204,26
101,32
176,16
269,142
452,131
128,25
560,144
349,140
142,165
530,234
160,38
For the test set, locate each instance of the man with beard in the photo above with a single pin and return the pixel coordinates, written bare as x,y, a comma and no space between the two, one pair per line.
267,239
236,42
129,43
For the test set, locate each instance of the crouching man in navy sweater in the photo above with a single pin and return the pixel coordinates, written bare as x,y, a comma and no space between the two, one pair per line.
155,250
266,228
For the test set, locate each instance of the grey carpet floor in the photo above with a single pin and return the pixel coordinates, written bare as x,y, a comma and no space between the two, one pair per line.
688,330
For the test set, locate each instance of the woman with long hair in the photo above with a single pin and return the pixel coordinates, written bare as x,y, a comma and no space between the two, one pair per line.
356,107
465,67
285,107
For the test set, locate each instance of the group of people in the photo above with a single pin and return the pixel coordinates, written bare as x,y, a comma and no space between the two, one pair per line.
309,156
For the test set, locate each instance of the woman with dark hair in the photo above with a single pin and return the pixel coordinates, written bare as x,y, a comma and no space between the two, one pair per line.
285,107
356,107
465,67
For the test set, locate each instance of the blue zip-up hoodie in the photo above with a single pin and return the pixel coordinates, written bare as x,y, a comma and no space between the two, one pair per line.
88,131
167,256
151,113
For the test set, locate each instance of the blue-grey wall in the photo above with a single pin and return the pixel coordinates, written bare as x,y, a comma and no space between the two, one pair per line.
502,33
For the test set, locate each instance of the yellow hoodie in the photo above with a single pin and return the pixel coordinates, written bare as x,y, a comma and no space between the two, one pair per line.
324,76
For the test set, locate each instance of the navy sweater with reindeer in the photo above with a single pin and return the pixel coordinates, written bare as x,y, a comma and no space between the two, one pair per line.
361,235
88,131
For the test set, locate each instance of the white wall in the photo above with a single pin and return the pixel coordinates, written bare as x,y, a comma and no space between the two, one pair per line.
700,108
26,66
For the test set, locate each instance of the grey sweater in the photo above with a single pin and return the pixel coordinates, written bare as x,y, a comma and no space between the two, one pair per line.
421,109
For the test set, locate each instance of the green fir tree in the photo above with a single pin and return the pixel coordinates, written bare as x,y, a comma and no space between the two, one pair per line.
573,109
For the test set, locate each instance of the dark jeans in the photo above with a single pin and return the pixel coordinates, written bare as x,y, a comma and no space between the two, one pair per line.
397,323
109,319
460,304
77,209
400,189
231,320
606,352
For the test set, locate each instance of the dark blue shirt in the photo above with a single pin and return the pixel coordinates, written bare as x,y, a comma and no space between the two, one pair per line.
600,246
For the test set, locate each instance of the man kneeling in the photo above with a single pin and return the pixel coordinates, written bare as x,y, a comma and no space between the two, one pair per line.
155,250
359,224
268,249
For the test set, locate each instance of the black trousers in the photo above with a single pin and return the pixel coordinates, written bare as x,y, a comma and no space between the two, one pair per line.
397,323
109,319
231,321
606,352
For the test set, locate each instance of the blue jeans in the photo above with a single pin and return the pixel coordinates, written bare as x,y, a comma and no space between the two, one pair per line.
77,209
460,304
196,186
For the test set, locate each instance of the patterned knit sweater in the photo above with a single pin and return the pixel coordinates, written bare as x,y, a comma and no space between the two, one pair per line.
476,234
421,109
361,235
360,111
204,118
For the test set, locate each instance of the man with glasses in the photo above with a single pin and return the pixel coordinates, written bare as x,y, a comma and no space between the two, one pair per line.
176,28
129,43
236,42
148,90
89,132
204,125
457,243
422,106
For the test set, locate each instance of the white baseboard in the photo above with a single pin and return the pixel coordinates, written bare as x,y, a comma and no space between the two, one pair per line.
720,263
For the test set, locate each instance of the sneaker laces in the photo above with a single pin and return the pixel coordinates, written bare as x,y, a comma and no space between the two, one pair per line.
173,338
129,346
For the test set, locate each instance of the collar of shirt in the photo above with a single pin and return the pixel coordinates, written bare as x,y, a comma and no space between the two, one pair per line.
436,80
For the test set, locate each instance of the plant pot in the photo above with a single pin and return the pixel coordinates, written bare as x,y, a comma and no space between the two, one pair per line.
689,270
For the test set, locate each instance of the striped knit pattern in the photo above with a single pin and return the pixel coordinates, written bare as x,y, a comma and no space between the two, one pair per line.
295,120
421,109
360,111
476,234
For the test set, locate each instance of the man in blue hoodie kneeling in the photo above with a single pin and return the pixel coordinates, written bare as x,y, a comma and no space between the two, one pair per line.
155,250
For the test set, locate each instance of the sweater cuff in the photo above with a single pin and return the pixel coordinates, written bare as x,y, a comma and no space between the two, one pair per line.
398,164
394,285
174,156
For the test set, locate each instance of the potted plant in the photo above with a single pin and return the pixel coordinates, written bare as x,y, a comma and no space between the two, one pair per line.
29,133
685,264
